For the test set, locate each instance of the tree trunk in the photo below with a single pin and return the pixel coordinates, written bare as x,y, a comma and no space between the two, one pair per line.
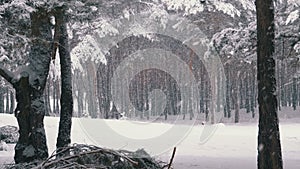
66,100
22,113
80,97
277,69
283,81
289,91
202,92
247,92
54,97
207,96
7,101
1,100
269,148
252,97
12,102
47,100
91,90
218,91
78,90
241,94
236,98
294,93
227,108
30,109
57,97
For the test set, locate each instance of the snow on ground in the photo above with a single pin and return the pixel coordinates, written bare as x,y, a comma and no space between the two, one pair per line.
231,146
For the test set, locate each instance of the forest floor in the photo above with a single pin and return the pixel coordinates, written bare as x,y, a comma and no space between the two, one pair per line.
230,146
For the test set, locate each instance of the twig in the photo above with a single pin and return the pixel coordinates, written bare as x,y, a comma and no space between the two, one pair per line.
44,165
119,154
80,158
171,161
54,154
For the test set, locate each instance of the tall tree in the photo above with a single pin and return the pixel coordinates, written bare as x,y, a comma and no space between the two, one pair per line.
29,86
269,148
27,40
66,101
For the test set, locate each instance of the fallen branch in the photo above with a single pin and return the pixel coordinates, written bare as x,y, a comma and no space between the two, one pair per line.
88,156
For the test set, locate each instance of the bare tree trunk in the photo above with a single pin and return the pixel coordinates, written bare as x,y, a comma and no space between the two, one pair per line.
269,147
102,85
227,113
1,101
294,93
54,97
30,111
47,100
247,92
7,101
235,97
252,96
57,97
66,100
80,98
22,113
12,102
91,89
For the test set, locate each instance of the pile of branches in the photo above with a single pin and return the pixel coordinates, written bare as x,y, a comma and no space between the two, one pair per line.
88,156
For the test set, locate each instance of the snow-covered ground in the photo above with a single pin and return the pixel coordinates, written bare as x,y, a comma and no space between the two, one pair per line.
231,146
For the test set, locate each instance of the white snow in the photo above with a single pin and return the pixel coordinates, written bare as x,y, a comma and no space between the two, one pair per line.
247,4
232,146
227,8
3,57
195,6
3,146
189,6
294,2
293,16
87,49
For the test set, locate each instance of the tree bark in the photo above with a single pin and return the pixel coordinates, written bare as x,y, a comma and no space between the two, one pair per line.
29,88
228,93
47,100
1,101
253,88
7,101
294,93
269,147
57,97
103,88
91,90
66,101
12,102
236,96
22,113
80,96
